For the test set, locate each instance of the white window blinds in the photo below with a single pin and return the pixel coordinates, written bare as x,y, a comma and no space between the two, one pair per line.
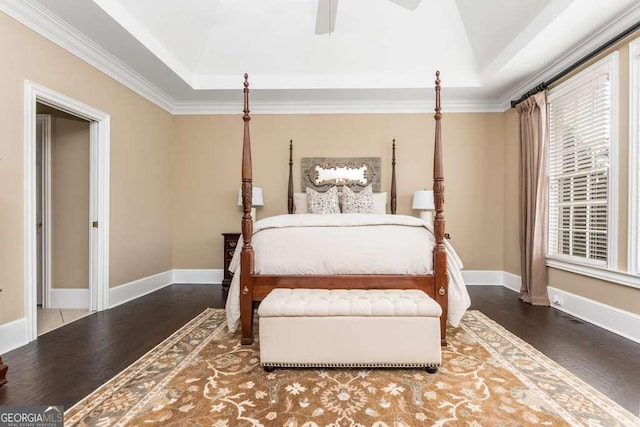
580,116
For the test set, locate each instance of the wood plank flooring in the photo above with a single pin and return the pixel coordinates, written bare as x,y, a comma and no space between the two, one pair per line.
63,366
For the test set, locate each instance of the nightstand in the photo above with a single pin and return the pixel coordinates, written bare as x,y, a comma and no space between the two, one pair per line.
230,243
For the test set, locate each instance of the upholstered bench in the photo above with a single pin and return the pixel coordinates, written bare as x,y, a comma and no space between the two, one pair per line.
349,328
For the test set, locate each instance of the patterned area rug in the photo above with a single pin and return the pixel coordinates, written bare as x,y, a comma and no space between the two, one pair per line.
201,375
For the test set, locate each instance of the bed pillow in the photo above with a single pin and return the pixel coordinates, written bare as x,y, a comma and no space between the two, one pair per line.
300,203
323,203
361,202
380,203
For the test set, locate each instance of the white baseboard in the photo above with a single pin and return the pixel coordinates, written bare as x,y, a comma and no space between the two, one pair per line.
137,288
621,322
69,298
198,276
483,277
511,281
13,335
491,278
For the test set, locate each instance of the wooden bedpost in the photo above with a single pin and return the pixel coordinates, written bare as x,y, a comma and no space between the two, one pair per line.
290,190
394,192
246,257
439,253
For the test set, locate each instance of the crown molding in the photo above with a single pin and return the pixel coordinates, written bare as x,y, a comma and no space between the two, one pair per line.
48,25
340,107
618,24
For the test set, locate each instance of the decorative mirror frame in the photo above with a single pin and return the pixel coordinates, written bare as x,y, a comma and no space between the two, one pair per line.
310,172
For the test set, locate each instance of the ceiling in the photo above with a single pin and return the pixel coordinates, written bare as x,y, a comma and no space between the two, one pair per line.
189,56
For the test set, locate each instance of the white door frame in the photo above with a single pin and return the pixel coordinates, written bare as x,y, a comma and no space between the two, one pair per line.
99,197
44,120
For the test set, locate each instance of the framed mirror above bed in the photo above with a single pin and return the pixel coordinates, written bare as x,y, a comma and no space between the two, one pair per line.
322,173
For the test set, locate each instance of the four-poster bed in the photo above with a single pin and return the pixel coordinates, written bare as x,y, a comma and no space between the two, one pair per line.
254,287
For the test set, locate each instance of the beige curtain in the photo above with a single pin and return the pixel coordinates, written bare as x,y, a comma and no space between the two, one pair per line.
533,198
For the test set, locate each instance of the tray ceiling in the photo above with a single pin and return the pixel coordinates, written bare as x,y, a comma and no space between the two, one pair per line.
195,52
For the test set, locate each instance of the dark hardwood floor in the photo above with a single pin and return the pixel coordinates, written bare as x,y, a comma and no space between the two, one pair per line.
606,361
64,365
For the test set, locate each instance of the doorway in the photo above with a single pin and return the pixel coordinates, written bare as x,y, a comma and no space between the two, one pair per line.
86,286
62,218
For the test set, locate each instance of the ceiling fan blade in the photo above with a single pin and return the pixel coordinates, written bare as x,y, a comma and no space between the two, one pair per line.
326,16
407,4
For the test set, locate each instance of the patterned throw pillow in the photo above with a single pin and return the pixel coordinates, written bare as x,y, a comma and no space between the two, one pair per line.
323,203
361,202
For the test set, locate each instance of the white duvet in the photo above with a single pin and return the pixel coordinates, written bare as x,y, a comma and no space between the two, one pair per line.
346,244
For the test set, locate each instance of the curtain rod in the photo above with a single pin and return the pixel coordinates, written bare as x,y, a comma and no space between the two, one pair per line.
544,85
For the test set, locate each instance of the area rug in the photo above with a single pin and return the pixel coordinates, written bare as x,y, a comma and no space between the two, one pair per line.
201,375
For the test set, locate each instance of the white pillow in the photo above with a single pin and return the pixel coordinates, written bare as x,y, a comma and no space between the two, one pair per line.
323,203
380,203
300,203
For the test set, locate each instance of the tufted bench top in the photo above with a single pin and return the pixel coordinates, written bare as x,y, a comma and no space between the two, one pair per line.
282,302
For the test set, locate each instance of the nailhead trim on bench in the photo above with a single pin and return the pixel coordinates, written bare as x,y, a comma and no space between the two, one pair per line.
349,365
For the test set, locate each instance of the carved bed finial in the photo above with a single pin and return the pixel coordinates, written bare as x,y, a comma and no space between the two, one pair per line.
394,192
290,190
438,114
246,117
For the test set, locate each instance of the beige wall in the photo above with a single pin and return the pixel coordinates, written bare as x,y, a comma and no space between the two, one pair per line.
141,135
70,203
207,158
623,297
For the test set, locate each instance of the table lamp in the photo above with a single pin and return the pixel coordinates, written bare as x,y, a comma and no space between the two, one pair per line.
423,200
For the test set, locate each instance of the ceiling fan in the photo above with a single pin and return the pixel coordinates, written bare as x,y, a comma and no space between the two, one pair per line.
327,10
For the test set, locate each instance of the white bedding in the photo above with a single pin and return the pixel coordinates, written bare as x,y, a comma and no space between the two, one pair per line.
359,244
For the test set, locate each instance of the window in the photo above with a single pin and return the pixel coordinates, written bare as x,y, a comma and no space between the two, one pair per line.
582,172
634,157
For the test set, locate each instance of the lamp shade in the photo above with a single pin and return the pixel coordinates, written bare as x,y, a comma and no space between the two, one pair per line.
256,197
423,199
